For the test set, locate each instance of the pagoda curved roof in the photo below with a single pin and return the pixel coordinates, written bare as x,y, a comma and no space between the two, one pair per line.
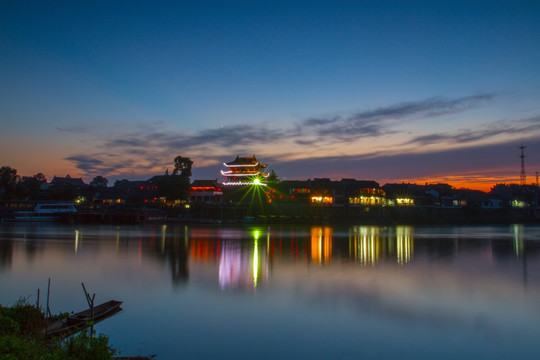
245,161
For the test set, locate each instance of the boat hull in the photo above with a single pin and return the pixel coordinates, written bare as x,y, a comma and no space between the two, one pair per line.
62,327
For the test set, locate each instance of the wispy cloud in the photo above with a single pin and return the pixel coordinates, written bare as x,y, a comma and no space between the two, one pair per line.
379,121
72,129
114,165
523,126
91,163
306,133
223,137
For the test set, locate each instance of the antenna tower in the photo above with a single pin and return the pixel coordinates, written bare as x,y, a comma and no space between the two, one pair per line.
523,177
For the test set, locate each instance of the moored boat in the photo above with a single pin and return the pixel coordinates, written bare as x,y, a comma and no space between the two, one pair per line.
81,320
46,212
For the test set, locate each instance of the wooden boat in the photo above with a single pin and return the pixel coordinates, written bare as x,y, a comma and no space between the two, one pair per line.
74,323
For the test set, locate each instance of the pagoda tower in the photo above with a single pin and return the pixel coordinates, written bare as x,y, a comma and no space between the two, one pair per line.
244,171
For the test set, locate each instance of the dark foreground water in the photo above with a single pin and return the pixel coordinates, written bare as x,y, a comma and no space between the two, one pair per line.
314,292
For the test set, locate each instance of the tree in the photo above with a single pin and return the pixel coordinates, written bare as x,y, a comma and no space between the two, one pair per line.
182,165
40,178
172,187
8,180
99,182
272,177
175,186
30,187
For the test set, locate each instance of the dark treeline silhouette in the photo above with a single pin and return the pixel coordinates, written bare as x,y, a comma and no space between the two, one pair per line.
36,187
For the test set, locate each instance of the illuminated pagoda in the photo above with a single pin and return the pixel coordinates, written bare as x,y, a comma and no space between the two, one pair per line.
244,171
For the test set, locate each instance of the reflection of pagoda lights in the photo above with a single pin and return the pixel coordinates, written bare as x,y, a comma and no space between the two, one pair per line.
518,239
255,262
230,266
239,268
403,244
321,244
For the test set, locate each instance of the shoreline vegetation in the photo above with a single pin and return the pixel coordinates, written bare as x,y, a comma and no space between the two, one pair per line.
23,337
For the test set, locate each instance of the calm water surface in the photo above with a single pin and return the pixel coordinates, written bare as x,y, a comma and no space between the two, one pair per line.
311,292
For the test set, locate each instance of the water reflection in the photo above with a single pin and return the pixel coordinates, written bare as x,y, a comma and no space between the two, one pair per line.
77,239
243,266
404,244
321,244
340,292
367,244
245,256
6,253
518,239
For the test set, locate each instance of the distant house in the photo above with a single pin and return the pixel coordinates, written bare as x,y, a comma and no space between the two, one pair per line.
66,188
445,196
134,191
404,194
350,192
360,193
493,203
67,181
205,191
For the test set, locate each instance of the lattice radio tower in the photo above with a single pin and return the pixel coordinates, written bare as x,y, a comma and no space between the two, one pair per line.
523,177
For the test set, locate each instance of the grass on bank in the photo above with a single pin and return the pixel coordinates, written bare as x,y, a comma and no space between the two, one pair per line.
22,337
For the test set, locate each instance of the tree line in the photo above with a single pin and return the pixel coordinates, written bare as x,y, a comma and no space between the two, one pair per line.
16,187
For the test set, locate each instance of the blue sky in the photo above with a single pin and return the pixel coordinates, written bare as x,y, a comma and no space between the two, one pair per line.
381,90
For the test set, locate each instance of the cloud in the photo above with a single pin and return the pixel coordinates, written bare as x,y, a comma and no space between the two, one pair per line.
424,108
117,165
373,123
306,142
72,129
311,131
233,135
322,129
524,126
89,164
129,142
223,137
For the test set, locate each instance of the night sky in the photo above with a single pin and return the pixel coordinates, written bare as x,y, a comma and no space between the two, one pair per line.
391,91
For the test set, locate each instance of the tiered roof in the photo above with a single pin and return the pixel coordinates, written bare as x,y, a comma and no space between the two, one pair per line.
244,161
244,168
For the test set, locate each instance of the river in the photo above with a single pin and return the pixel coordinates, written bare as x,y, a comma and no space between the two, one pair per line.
290,292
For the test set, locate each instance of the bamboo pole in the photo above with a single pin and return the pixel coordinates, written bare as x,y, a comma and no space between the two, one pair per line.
90,301
48,294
